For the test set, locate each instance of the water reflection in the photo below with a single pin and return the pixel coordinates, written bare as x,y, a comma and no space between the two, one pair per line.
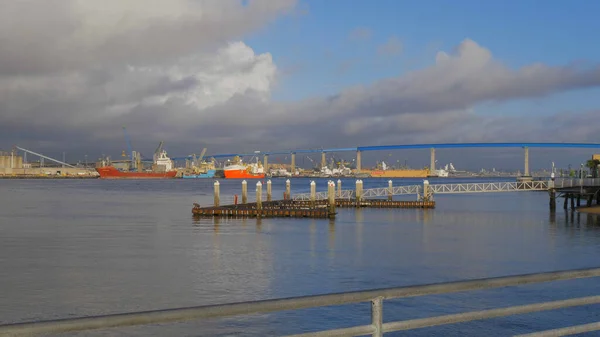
331,241
359,231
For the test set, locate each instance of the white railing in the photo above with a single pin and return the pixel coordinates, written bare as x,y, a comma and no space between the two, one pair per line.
537,185
575,182
489,187
376,327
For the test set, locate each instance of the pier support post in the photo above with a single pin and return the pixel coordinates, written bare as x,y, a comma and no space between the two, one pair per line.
266,163
426,191
331,197
572,201
323,160
217,194
552,192
313,193
339,188
590,199
566,203
269,196
578,200
432,161
288,190
526,174
358,161
390,190
358,192
258,197
244,192
293,165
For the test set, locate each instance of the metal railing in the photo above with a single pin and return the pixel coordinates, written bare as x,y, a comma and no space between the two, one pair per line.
489,187
575,182
376,297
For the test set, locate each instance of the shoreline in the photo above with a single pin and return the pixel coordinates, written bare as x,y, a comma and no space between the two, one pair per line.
47,177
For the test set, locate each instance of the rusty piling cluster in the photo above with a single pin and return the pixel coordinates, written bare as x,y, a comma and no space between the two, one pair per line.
288,207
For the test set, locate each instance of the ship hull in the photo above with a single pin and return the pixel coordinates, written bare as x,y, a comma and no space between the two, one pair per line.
397,173
208,174
242,174
110,172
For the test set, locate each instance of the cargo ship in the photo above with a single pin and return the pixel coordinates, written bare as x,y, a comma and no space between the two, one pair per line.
200,169
162,169
238,170
382,171
200,175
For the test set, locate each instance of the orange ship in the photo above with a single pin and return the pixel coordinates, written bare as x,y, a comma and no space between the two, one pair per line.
160,160
238,170
110,172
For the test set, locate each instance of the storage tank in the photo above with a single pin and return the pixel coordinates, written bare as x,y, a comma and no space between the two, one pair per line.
18,162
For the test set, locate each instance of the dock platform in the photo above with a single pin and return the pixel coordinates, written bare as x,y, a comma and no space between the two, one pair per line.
294,208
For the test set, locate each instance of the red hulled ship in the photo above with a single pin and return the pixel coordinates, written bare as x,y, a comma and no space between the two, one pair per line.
161,161
239,170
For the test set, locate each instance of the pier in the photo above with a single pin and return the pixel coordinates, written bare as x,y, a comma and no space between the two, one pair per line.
323,204
316,205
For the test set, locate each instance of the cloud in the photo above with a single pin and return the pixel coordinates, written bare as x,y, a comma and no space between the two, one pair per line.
70,35
179,72
393,46
360,34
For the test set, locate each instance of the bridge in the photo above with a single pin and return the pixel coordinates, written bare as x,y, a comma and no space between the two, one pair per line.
427,190
432,148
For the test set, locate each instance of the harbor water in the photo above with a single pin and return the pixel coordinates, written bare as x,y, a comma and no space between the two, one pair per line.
73,248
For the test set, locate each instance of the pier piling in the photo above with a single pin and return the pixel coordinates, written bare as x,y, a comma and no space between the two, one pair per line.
313,193
331,197
288,190
217,194
552,193
358,192
390,191
339,188
269,196
258,196
426,191
244,192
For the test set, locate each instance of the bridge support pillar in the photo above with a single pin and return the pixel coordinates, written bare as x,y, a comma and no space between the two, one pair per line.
432,162
526,174
323,160
358,159
266,163
293,164
566,204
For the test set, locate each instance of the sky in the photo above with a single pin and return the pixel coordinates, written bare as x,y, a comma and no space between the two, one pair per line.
240,76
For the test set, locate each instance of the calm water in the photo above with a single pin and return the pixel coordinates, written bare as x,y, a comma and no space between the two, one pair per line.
90,247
